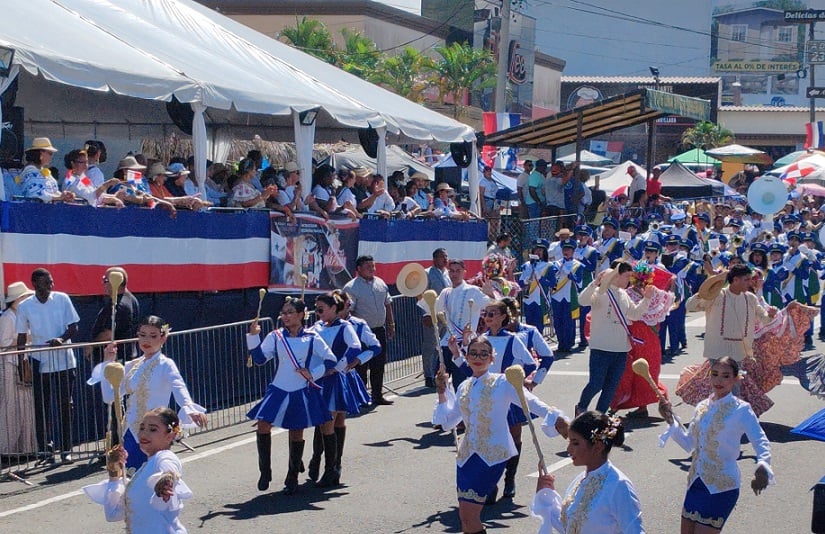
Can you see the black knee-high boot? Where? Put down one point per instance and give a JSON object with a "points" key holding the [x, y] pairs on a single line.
{"points": [[296, 464], [264, 460], [317, 451], [341, 435], [510, 474], [330, 455]]}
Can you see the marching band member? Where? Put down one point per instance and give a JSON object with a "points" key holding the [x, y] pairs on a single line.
{"points": [[293, 400], [775, 275], [802, 284], [654, 229], [754, 226], [149, 381], [713, 439], [686, 272], [151, 500], [341, 395], [634, 247], [651, 253], [720, 258], [588, 256], [483, 402], [601, 499], [701, 221], [680, 229], [533, 281], [758, 256], [565, 276], [459, 312], [609, 246], [532, 339]]}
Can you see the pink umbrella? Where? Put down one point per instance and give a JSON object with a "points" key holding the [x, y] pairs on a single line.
{"points": [[622, 190], [811, 189]]}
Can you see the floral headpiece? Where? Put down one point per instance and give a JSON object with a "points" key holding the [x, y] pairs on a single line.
{"points": [[642, 272], [165, 329], [608, 433], [493, 266]]}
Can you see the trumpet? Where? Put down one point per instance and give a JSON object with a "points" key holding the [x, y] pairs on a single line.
{"points": [[654, 226], [737, 241], [714, 252]]}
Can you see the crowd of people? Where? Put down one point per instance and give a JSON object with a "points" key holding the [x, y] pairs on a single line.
{"points": [[251, 183]]}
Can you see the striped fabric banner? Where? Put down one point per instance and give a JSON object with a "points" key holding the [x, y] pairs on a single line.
{"points": [[393, 243], [814, 135], [192, 252]]}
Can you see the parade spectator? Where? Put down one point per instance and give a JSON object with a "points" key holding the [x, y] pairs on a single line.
{"points": [[346, 196], [637, 183], [36, 178], [158, 176], [51, 319], [654, 184], [443, 205], [244, 193], [290, 195], [127, 315], [408, 205], [217, 176], [16, 403], [370, 300], [96, 153], [256, 157], [132, 189], [323, 197], [383, 201], [554, 185], [521, 187], [422, 196], [487, 189], [534, 196], [78, 182]]}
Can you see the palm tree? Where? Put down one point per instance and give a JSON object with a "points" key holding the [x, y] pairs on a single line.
{"points": [[312, 36], [406, 74], [706, 135], [462, 68], [360, 55]]}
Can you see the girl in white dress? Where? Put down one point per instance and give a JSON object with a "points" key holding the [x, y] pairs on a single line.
{"points": [[601, 499], [149, 381], [150, 502]]}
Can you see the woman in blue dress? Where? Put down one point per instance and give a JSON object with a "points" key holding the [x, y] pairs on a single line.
{"points": [[342, 395], [293, 400]]}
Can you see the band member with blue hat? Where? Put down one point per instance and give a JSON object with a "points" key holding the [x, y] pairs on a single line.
{"points": [[588, 256]]}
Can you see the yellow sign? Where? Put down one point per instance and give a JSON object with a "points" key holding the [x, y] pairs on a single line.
{"points": [[755, 66]]}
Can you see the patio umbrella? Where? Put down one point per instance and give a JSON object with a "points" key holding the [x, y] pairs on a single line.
{"points": [[739, 154], [790, 158], [622, 190], [694, 156], [814, 189]]}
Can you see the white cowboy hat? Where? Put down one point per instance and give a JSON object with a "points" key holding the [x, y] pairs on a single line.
{"points": [[17, 290]]}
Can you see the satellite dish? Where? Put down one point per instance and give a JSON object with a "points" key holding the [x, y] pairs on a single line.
{"points": [[767, 195]]}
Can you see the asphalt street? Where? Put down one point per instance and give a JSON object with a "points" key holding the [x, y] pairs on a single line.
{"points": [[399, 473]]}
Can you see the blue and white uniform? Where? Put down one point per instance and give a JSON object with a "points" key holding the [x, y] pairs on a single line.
{"points": [[290, 401], [341, 338], [534, 341], [368, 342]]}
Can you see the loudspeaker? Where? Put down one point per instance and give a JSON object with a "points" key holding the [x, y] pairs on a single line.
{"points": [[449, 175], [9, 96], [368, 138], [181, 114], [11, 144], [462, 153]]}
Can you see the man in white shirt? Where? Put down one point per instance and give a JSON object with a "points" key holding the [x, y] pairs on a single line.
{"points": [[637, 183], [437, 280], [521, 187], [51, 319]]}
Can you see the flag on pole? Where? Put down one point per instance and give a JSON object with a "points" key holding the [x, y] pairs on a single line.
{"points": [[815, 135]]}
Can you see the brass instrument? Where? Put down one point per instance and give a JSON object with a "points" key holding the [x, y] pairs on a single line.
{"points": [[737, 241], [654, 226]]}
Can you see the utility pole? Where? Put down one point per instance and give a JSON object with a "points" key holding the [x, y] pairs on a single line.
{"points": [[503, 56], [812, 82]]}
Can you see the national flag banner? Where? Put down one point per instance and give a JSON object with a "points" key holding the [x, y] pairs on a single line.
{"points": [[494, 122], [196, 251], [394, 243], [323, 251], [815, 135], [133, 177]]}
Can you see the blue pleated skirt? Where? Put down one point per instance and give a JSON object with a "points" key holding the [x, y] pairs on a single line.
{"points": [[338, 396], [515, 416], [357, 387], [291, 410]]}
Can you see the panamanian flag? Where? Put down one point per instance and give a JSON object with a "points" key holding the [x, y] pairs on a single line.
{"points": [[814, 135], [494, 122]]}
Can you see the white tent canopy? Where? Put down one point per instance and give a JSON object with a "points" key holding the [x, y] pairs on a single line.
{"points": [[617, 177], [397, 160], [164, 48]]}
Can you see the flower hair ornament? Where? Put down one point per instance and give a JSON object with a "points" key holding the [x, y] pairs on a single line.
{"points": [[642, 272], [607, 434], [492, 266], [165, 329]]}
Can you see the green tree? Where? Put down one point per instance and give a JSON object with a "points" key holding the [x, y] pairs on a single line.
{"points": [[312, 36], [706, 135], [460, 69], [360, 55], [406, 74]]}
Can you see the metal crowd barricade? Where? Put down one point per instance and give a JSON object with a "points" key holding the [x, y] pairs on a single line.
{"points": [[212, 361], [404, 351]]}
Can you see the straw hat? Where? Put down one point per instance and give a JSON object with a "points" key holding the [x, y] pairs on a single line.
{"points": [[362, 172], [42, 143], [157, 168], [443, 186], [130, 163], [421, 176], [17, 290], [711, 287], [412, 280], [564, 233], [291, 166]]}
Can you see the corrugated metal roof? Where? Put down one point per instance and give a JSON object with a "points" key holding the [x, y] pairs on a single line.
{"points": [[640, 79]]}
